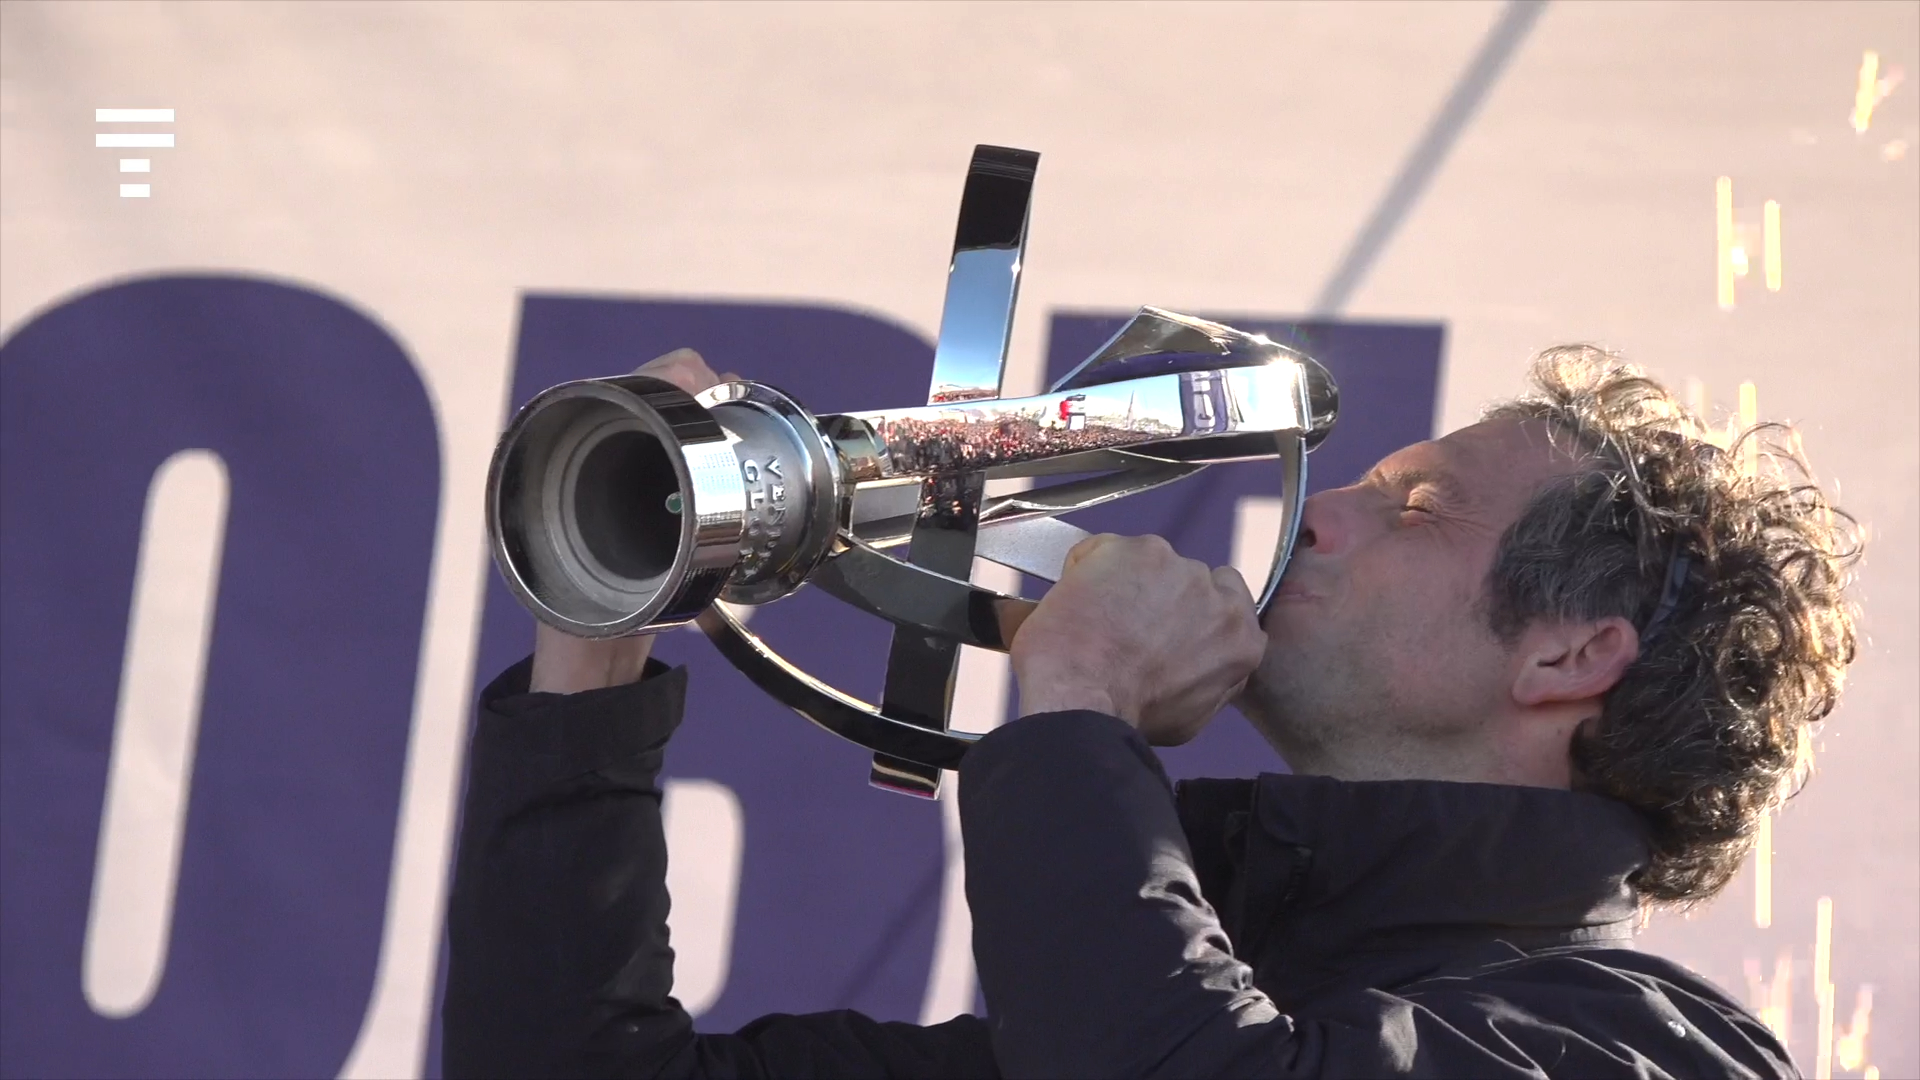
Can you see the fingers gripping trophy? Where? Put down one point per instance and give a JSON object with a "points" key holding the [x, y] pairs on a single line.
{"points": [[626, 505]]}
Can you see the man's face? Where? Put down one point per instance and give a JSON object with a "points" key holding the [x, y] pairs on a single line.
{"points": [[1378, 647]]}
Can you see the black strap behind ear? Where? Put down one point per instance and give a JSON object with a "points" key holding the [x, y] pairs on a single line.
{"points": [[1669, 595]]}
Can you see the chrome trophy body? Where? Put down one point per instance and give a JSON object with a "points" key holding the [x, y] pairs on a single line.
{"points": [[622, 505]]}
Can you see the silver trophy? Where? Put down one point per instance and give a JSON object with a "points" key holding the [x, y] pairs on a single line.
{"points": [[622, 505]]}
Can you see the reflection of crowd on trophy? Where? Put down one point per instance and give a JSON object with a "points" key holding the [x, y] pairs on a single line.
{"points": [[985, 442]]}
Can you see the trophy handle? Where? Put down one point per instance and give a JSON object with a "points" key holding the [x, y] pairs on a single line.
{"points": [[957, 610], [845, 716]]}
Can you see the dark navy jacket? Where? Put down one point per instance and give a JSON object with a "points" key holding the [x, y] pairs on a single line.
{"points": [[1283, 927]]}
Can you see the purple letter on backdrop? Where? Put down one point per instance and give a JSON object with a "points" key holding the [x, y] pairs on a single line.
{"points": [[332, 458], [330, 445]]}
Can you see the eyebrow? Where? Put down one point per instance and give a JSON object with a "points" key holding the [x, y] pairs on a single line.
{"points": [[1410, 477]]}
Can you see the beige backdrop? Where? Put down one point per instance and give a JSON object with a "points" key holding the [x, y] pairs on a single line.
{"points": [[431, 161]]}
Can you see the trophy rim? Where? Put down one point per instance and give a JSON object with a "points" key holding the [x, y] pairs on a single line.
{"points": [[684, 587]]}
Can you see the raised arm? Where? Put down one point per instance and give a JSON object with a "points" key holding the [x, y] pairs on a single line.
{"points": [[559, 961], [557, 918], [559, 958]]}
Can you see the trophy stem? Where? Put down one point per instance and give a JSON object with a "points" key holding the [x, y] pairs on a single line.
{"points": [[983, 285]]}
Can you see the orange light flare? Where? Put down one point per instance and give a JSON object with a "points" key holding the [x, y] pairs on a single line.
{"points": [[1772, 999], [1866, 91], [1870, 89], [1735, 242], [1850, 1046]]}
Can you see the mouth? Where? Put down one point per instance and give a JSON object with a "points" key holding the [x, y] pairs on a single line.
{"points": [[1292, 591]]}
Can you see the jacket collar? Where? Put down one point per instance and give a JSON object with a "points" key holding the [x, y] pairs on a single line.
{"points": [[1321, 881]]}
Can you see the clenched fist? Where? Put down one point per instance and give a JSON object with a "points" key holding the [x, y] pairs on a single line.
{"points": [[1136, 631], [564, 664]]}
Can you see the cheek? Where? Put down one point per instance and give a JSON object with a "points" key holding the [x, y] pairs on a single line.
{"points": [[1454, 654], [1425, 610]]}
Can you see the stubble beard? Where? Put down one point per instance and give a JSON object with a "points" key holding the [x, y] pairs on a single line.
{"points": [[1320, 706]]}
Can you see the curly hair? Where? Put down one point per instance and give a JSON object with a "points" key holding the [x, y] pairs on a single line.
{"points": [[1734, 566]]}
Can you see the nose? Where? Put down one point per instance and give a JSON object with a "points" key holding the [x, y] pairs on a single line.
{"points": [[1327, 522], [1310, 518]]}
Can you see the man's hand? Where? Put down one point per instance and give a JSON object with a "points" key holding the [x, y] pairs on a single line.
{"points": [[1135, 631], [564, 664]]}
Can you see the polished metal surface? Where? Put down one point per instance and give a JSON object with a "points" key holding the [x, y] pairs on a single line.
{"points": [[983, 280], [884, 521], [770, 489], [1020, 529], [796, 498], [845, 716], [619, 506], [612, 506], [1201, 415], [919, 600], [1293, 481], [1035, 546], [969, 359]]}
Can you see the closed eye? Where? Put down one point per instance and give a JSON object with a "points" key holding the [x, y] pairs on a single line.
{"points": [[1420, 491]]}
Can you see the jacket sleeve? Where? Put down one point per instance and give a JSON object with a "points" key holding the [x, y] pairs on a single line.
{"points": [[558, 961], [1100, 958]]}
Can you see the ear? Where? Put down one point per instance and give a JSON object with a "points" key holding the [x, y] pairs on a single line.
{"points": [[1573, 661]]}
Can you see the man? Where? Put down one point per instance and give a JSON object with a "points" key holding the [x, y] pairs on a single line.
{"points": [[1531, 678]]}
